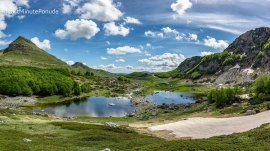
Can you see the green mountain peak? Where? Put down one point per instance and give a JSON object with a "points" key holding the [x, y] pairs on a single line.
{"points": [[23, 52]]}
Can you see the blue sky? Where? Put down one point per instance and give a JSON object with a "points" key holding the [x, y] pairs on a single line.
{"points": [[123, 36]]}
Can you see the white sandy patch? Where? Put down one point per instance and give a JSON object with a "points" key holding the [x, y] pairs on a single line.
{"points": [[208, 127], [248, 71]]}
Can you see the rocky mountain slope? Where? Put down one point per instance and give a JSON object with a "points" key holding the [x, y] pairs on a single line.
{"points": [[246, 58]]}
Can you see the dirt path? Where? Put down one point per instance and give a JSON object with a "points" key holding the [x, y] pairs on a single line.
{"points": [[207, 127]]}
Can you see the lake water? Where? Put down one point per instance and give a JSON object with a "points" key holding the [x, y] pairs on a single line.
{"points": [[94, 107], [114, 107], [166, 97]]}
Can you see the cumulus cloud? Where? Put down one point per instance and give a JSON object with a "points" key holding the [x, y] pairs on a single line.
{"points": [[168, 30], [181, 6], [111, 29], [79, 28], [217, 44], [167, 60], [206, 53], [45, 44], [132, 20], [123, 50], [69, 5], [102, 10], [120, 60]]}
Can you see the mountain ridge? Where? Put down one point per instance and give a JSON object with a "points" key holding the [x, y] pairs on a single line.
{"points": [[249, 52]]}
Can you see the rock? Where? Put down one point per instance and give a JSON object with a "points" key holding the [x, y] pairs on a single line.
{"points": [[27, 140], [154, 113], [235, 104], [204, 98], [209, 109], [250, 112], [111, 124], [106, 149]]}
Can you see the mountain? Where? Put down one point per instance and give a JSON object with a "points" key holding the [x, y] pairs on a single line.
{"points": [[80, 67], [23, 52], [246, 58]]}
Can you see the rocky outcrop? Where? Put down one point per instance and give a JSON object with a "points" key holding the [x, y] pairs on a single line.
{"points": [[248, 53]]}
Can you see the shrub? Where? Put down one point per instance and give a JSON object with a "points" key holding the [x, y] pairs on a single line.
{"points": [[195, 75], [223, 96]]}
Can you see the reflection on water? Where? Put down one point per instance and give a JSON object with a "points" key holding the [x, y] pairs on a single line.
{"points": [[166, 97], [94, 107]]}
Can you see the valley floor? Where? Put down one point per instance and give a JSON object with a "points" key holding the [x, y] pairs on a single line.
{"points": [[208, 127]]}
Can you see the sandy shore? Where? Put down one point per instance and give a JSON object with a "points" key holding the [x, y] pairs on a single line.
{"points": [[208, 127]]}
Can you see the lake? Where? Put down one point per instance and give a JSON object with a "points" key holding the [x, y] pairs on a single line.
{"points": [[167, 97], [114, 107], [94, 107]]}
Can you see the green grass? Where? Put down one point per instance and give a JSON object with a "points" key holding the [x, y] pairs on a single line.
{"points": [[174, 86], [74, 136]]}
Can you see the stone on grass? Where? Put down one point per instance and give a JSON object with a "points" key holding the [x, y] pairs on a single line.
{"points": [[111, 124]]}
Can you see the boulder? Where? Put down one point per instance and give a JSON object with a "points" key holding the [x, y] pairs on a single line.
{"points": [[250, 112], [111, 124]]}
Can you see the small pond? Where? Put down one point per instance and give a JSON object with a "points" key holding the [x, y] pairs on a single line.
{"points": [[94, 107], [167, 97]]}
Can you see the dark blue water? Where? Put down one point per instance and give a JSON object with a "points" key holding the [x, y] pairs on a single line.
{"points": [[166, 97], [94, 107]]}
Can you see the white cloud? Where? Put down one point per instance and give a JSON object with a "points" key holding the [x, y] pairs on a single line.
{"points": [[70, 62], [167, 32], [153, 34], [111, 29], [79, 28], [123, 50], [120, 60], [103, 58], [148, 45], [206, 53], [131, 20], [4, 42], [70, 5], [102, 10], [22, 3], [217, 44], [168, 60], [6, 9], [193, 37], [21, 17], [180, 6], [45, 44], [108, 42]]}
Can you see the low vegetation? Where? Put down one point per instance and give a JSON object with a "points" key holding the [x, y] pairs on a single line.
{"points": [[261, 90], [223, 96]]}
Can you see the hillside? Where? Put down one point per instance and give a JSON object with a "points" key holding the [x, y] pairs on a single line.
{"points": [[80, 67], [23, 52], [246, 58]]}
